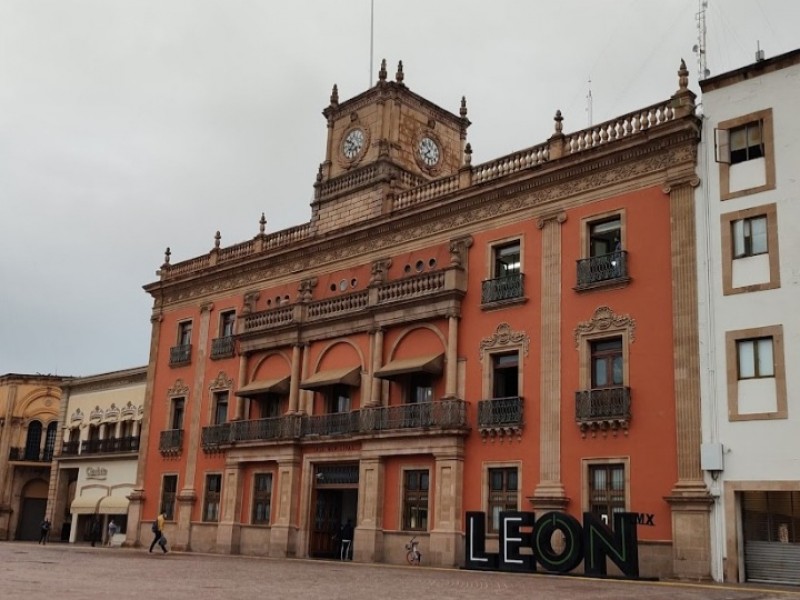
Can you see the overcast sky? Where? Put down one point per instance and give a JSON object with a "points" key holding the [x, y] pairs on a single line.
{"points": [[127, 126]]}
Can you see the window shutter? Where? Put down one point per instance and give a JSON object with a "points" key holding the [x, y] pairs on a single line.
{"points": [[722, 146]]}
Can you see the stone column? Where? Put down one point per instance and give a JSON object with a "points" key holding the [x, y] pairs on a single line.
{"points": [[549, 493], [283, 533], [376, 397], [689, 498], [294, 383], [137, 497], [229, 528], [5, 448], [451, 373], [368, 536], [242, 382], [446, 539]]}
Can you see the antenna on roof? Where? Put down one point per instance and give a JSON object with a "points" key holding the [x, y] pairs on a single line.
{"points": [[589, 102], [700, 47], [759, 51]]}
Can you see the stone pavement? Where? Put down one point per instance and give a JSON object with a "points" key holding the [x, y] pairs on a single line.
{"points": [[66, 572]]}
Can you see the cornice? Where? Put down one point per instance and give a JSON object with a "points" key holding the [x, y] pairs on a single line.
{"points": [[550, 185]]}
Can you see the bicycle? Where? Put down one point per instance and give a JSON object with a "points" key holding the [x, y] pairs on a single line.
{"points": [[413, 556]]}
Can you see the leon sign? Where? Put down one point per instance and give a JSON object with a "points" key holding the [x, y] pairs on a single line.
{"points": [[591, 542]]}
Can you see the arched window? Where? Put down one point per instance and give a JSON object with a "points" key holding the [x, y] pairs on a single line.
{"points": [[34, 442], [50, 441]]}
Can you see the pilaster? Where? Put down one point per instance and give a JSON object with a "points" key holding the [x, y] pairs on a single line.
{"points": [[368, 536], [446, 539], [283, 535], [229, 528]]}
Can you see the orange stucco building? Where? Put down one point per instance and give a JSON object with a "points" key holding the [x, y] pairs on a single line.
{"points": [[440, 337]]}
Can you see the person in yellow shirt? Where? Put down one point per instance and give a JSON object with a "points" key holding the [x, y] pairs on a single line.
{"points": [[158, 532]]}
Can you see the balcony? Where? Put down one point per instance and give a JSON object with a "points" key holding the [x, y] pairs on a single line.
{"points": [[500, 417], [223, 347], [442, 414], [503, 289], [30, 454], [607, 409], [109, 445], [180, 355], [603, 270], [171, 442], [70, 448]]}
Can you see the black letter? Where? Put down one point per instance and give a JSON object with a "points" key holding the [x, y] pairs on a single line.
{"points": [[619, 545], [572, 554], [511, 539], [475, 556]]}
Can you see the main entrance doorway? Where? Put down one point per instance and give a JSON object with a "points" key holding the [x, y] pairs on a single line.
{"points": [[335, 501]]}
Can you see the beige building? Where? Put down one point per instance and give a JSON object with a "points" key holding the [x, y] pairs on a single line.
{"points": [[28, 426], [96, 457]]}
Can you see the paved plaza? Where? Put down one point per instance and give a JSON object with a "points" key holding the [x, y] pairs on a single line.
{"points": [[60, 571]]}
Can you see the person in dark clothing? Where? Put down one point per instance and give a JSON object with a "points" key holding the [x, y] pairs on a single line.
{"points": [[94, 533], [346, 541], [44, 531]]}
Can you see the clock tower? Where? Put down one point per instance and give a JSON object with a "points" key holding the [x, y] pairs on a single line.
{"points": [[385, 140]]}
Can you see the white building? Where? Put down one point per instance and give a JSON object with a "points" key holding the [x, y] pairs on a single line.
{"points": [[97, 454], [748, 211]]}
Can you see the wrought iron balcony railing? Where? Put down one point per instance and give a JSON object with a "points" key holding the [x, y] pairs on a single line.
{"points": [[443, 414], [223, 347], [70, 448], [126, 444], [171, 441], [180, 355], [30, 454], [603, 409], [604, 268], [500, 416], [508, 287]]}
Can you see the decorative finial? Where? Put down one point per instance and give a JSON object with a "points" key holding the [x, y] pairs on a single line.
{"points": [[262, 224], [319, 173], [558, 119], [167, 254], [399, 75], [463, 110], [468, 154], [335, 95], [382, 73], [217, 238], [683, 77]]}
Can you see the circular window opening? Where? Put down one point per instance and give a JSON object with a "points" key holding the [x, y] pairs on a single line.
{"points": [[343, 285], [269, 302], [353, 282], [432, 263], [333, 287], [420, 265], [407, 269]]}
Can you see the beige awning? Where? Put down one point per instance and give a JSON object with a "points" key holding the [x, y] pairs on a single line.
{"points": [[421, 364], [350, 376], [113, 505], [265, 386], [85, 505]]}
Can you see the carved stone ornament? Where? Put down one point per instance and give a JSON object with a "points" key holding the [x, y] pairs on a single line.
{"points": [[96, 414], [458, 250], [380, 271], [221, 382], [604, 319], [305, 291], [504, 336], [250, 299], [77, 415], [179, 389]]}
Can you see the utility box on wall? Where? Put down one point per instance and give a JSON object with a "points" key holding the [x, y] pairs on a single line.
{"points": [[711, 457]]}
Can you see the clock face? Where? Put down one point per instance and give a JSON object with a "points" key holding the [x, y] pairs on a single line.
{"points": [[428, 151], [353, 143]]}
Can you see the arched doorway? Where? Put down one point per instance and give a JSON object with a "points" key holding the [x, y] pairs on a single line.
{"points": [[33, 504]]}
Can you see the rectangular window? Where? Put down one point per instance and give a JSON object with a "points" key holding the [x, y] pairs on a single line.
{"points": [[505, 375], [607, 490], [220, 407], [415, 500], [605, 237], [419, 388], [226, 323], [749, 236], [746, 142], [185, 333], [265, 406], [507, 260], [755, 358], [262, 497], [503, 488], [339, 399], [211, 498], [607, 363], [169, 489], [178, 405]]}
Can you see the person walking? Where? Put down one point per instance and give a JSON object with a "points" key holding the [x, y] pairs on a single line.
{"points": [[95, 531], [113, 529], [346, 549], [158, 532], [44, 531]]}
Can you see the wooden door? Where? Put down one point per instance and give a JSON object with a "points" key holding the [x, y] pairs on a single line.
{"points": [[327, 520]]}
